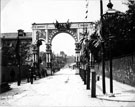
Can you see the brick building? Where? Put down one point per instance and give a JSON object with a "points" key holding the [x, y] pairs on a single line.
{"points": [[8, 54]]}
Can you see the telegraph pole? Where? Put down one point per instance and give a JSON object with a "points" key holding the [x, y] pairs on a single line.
{"points": [[103, 50]]}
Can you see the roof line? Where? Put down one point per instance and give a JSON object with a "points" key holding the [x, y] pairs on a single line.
{"points": [[60, 22]]}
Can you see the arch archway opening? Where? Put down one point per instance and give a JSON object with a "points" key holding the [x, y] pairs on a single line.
{"points": [[42, 48], [63, 42]]}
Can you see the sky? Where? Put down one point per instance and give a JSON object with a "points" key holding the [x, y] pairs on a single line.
{"points": [[20, 14], [69, 44]]}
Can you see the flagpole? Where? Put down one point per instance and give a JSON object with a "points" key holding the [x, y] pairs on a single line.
{"points": [[103, 53]]}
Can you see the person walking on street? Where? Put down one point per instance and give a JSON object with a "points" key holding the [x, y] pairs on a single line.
{"points": [[31, 74], [12, 75]]}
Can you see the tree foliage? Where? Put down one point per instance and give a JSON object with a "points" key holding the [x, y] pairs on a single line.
{"points": [[9, 53], [120, 26], [118, 35]]}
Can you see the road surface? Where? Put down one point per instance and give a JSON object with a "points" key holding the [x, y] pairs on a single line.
{"points": [[62, 89]]}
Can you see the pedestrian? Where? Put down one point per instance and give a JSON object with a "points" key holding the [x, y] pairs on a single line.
{"points": [[28, 74], [12, 75], [31, 74]]}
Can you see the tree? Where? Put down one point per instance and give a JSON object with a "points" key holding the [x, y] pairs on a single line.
{"points": [[117, 33], [122, 27], [131, 18], [24, 51], [9, 52]]}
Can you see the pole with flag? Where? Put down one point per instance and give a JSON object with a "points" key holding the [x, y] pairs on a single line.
{"points": [[86, 33], [103, 49]]}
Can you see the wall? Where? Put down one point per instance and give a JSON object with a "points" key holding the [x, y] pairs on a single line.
{"points": [[123, 69], [6, 70]]}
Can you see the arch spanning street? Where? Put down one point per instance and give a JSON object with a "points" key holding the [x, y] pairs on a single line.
{"points": [[47, 31]]}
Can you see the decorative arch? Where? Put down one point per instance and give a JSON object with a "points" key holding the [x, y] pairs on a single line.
{"points": [[47, 31]]}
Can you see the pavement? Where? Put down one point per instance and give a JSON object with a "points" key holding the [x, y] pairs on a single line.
{"points": [[65, 88]]}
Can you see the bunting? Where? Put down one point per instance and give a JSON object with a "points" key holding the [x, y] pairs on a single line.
{"points": [[87, 4], [86, 12]]}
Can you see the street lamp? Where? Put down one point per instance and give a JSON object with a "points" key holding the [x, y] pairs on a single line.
{"points": [[88, 65], [109, 13], [20, 33]]}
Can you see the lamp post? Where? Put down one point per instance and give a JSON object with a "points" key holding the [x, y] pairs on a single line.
{"points": [[20, 33], [110, 58], [93, 85], [109, 13], [88, 66]]}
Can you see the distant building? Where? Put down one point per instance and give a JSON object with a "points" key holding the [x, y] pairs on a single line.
{"points": [[62, 53], [13, 36], [9, 61]]}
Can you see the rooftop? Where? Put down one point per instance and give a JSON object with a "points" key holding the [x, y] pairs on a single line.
{"points": [[14, 35]]}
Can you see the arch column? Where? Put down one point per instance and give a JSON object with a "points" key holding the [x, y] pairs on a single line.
{"points": [[77, 51], [48, 59]]}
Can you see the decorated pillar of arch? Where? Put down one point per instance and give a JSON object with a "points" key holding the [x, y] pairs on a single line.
{"points": [[77, 51], [48, 58]]}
